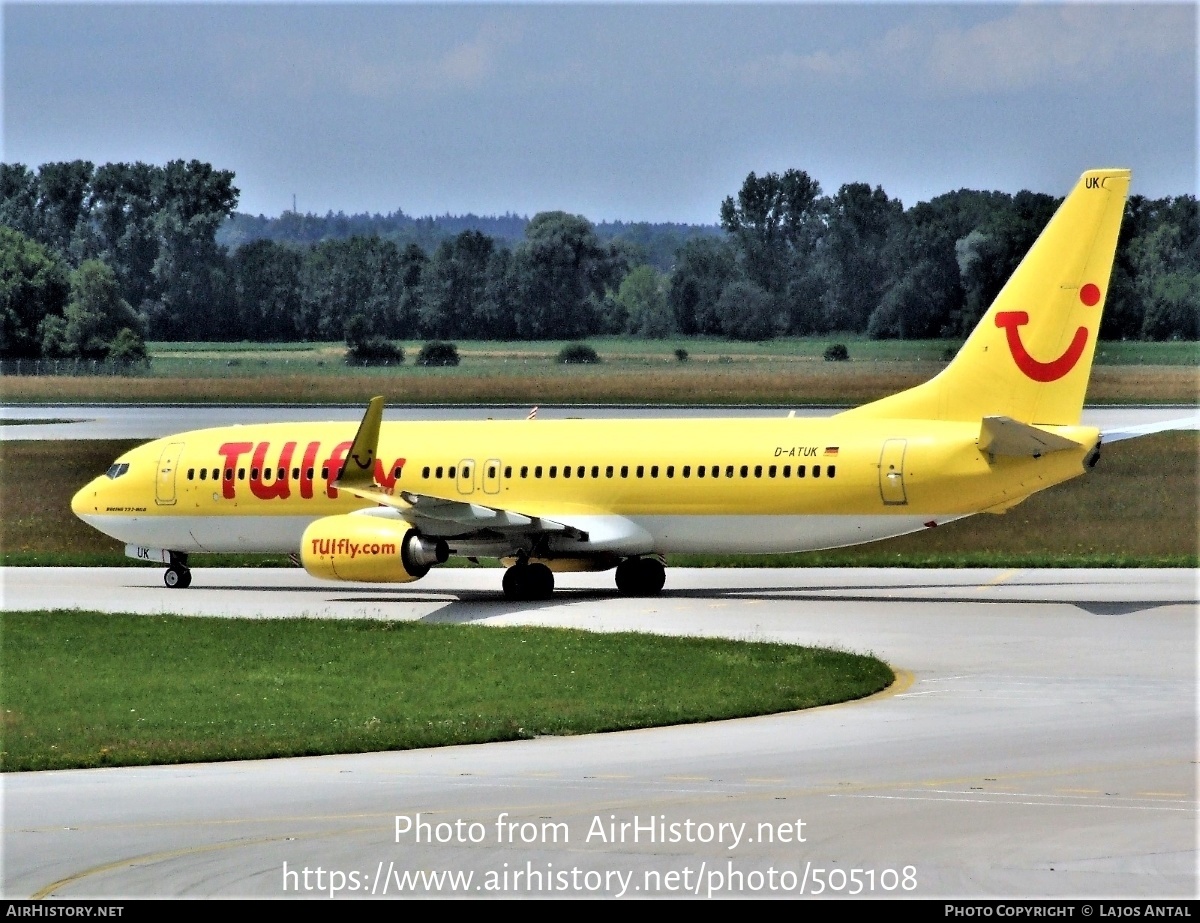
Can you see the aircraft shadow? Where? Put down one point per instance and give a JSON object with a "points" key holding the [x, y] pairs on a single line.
{"points": [[475, 605]]}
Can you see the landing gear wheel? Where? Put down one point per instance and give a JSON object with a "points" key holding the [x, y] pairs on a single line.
{"points": [[641, 577], [528, 582], [178, 577], [512, 582], [539, 582]]}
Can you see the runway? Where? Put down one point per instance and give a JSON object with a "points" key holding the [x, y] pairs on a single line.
{"points": [[1041, 742], [150, 421]]}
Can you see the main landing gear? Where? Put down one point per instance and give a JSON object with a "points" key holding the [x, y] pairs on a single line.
{"points": [[525, 581], [641, 577], [178, 575]]}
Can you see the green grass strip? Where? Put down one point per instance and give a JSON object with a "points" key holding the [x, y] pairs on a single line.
{"points": [[84, 689]]}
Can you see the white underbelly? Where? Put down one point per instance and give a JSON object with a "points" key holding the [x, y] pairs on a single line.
{"points": [[731, 534], [766, 534]]}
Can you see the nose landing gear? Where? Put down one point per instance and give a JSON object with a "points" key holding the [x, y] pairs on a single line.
{"points": [[178, 575]]}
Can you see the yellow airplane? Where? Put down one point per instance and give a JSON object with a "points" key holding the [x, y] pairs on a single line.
{"points": [[388, 501]]}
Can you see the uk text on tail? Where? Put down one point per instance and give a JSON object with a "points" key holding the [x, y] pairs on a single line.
{"points": [[1031, 355]]}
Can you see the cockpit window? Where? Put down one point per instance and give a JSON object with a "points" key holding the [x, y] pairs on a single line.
{"points": [[116, 470]]}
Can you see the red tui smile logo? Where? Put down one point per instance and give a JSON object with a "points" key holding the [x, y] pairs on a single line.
{"points": [[1012, 321]]}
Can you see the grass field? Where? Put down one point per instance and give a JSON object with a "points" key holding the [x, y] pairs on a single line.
{"points": [[88, 689], [636, 371], [1137, 508]]}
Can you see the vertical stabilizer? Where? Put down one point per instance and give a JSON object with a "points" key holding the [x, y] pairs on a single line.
{"points": [[1031, 355]]}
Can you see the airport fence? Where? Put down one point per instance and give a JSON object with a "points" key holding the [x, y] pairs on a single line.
{"points": [[73, 368]]}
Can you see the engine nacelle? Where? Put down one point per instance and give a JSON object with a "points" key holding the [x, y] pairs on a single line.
{"points": [[368, 549]]}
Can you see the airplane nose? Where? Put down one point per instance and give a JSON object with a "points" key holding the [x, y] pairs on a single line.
{"points": [[86, 500]]}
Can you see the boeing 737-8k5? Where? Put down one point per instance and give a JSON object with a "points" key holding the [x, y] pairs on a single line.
{"points": [[390, 500]]}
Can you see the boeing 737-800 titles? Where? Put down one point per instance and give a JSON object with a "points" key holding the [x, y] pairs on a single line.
{"points": [[390, 500]]}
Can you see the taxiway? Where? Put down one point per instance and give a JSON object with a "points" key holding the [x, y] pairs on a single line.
{"points": [[1041, 742]]}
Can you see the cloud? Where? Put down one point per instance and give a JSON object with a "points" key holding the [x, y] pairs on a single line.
{"points": [[1018, 48], [303, 66], [1051, 44]]}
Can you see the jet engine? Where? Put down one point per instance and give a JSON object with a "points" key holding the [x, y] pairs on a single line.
{"points": [[368, 549]]}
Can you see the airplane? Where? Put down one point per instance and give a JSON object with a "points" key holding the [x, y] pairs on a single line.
{"points": [[387, 501]]}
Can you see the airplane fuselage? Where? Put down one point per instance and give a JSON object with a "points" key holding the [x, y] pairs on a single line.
{"points": [[634, 487]]}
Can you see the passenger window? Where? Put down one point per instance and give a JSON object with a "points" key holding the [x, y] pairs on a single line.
{"points": [[554, 471], [229, 474], [687, 471], [397, 473], [241, 474], [524, 471], [191, 474], [491, 471], [800, 469], [580, 471], [537, 472], [640, 470], [508, 471], [450, 472], [787, 471], [566, 471], [254, 474], [831, 470], [325, 473], [438, 471], [729, 471], [204, 474], [716, 472], [624, 471], [296, 474], [654, 471], [466, 472], [758, 471], [670, 471], [424, 472], [699, 471], [283, 474], [745, 471], [309, 473], [608, 472], [595, 471], [771, 472], [816, 471]]}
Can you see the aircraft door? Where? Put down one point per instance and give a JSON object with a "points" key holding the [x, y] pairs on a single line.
{"points": [[891, 472], [164, 482], [491, 476], [466, 476]]}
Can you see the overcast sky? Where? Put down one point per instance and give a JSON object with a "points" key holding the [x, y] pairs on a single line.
{"points": [[632, 112]]}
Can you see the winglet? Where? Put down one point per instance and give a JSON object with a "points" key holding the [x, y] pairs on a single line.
{"points": [[359, 469]]}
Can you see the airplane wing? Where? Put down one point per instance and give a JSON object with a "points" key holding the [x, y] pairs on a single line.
{"points": [[437, 515], [1117, 434]]}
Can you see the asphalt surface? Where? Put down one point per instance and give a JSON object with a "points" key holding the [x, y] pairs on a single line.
{"points": [[1040, 742], [83, 421]]}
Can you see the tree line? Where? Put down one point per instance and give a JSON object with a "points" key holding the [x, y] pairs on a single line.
{"points": [[94, 259]]}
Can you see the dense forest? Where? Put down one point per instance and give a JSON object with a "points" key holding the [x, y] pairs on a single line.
{"points": [[95, 259]]}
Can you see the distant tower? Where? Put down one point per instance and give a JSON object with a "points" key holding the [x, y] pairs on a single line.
{"points": [[293, 203]]}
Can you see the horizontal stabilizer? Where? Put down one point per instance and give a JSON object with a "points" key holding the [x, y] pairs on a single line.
{"points": [[1005, 436], [1116, 434]]}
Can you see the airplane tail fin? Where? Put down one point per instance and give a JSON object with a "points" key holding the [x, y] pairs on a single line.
{"points": [[1030, 357]]}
